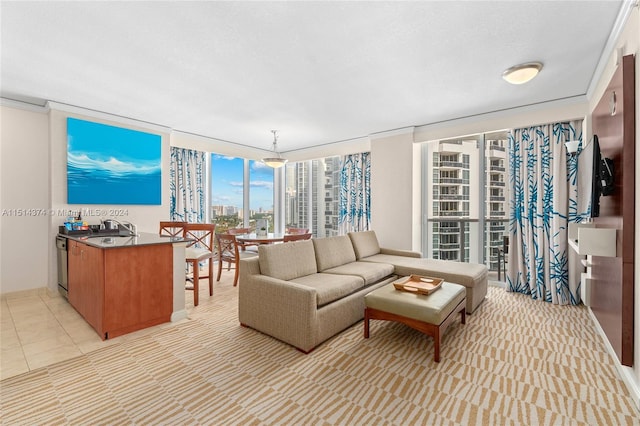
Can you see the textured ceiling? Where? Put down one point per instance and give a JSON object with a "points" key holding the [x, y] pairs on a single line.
{"points": [[319, 72]]}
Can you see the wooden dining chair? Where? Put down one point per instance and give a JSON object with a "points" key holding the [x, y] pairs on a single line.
{"points": [[228, 252], [238, 231], [243, 246], [296, 237], [296, 230], [200, 249], [172, 229]]}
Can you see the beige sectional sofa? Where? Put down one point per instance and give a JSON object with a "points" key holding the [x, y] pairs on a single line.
{"points": [[305, 292]]}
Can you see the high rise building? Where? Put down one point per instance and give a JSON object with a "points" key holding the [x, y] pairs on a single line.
{"points": [[312, 191], [457, 204], [496, 197]]}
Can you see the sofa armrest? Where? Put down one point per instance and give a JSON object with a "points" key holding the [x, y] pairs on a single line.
{"points": [[249, 266], [282, 309], [396, 252]]}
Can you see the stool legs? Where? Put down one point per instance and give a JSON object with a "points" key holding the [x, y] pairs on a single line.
{"points": [[196, 282]]}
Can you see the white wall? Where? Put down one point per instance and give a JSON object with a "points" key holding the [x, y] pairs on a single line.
{"points": [[34, 176], [24, 176], [395, 189], [201, 143]]}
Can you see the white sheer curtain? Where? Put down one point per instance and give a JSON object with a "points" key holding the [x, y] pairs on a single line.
{"points": [[543, 201], [187, 185]]}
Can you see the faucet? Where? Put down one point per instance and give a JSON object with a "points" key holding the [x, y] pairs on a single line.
{"points": [[133, 229], [130, 227]]}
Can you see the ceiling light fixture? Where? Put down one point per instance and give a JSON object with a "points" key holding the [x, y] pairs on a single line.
{"points": [[522, 73], [277, 161]]}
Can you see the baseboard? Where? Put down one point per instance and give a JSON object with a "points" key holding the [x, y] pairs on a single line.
{"points": [[179, 315], [627, 374], [20, 294], [500, 284]]}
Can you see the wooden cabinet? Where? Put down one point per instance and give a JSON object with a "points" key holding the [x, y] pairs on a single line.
{"points": [[614, 278], [120, 290], [86, 282]]}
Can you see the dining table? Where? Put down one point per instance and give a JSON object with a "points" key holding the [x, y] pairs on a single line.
{"points": [[254, 238]]}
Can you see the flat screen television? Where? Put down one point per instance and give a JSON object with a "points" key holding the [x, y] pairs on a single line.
{"points": [[602, 183], [595, 178]]}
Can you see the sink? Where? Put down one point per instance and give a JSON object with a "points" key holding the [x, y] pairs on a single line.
{"points": [[111, 233]]}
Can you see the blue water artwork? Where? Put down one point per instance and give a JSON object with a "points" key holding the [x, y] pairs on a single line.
{"points": [[112, 165]]}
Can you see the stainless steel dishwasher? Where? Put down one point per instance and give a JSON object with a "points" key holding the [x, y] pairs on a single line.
{"points": [[63, 278]]}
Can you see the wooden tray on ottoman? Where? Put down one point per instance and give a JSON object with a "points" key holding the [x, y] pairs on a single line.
{"points": [[418, 284]]}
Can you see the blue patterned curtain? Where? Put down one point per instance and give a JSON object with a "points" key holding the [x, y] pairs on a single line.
{"points": [[355, 193], [187, 185], [543, 199]]}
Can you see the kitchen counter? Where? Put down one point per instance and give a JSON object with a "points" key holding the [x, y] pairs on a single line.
{"points": [[123, 284], [115, 241]]}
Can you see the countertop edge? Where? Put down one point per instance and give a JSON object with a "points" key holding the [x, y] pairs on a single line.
{"points": [[115, 242]]}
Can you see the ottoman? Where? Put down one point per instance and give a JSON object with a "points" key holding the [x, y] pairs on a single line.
{"points": [[430, 314]]}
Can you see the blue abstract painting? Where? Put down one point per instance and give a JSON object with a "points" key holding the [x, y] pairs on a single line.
{"points": [[112, 165]]}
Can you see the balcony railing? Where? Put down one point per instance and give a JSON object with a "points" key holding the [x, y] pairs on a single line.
{"points": [[449, 246], [448, 231], [492, 237], [497, 169], [496, 183], [451, 197], [497, 148], [496, 198], [455, 164], [453, 180]]}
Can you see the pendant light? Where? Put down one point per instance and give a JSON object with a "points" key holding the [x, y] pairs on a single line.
{"points": [[276, 161]]}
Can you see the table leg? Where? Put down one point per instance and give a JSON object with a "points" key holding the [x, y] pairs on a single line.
{"points": [[366, 323]]}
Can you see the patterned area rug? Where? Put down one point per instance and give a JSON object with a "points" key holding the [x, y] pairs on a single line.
{"points": [[516, 361]]}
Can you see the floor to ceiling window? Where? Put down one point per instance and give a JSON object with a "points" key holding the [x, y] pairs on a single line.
{"points": [[312, 192], [260, 193], [465, 194], [227, 189]]}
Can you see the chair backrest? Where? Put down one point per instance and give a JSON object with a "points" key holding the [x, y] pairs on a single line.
{"points": [[296, 230], [202, 234], [172, 229], [238, 231], [227, 247], [296, 237]]}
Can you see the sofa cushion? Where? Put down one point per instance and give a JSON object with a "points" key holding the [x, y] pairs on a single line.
{"points": [[287, 261], [432, 309], [331, 287], [365, 243], [370, 272], [333, 251], [467, 274]]}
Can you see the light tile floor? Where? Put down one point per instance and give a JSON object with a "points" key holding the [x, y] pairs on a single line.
{"points": [[40, 329]]}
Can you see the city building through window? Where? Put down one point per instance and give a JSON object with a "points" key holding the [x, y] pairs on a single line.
{"points": [[466, 199]]}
